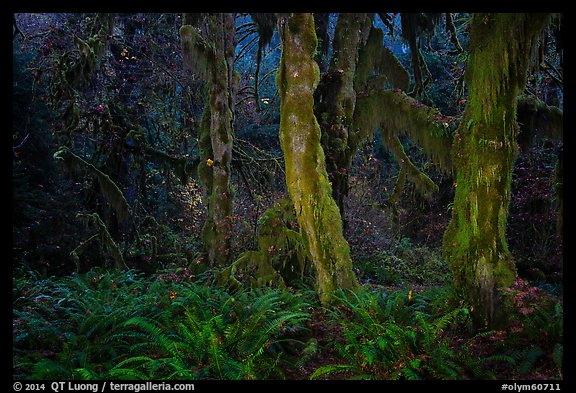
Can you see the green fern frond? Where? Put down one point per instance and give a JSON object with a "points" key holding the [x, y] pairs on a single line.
{"points": [[127, 374], [332, 369], [49, 369], [120, 371], [86, 374], [410, 374], [450, 318]]}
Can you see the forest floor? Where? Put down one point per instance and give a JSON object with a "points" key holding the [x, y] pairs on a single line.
{"points": [[98, 324], [326, 332]]}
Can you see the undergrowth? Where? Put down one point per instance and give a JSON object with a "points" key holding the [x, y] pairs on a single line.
{"points": [[126, 325], [402, 334], [398, 335], [112, 325]]}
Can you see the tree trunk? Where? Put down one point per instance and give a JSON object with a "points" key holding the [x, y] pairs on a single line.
{"points": [[336, 100], [306, 177], [211, 56], [484, 153]]}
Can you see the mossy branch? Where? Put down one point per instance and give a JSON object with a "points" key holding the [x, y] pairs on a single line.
{"points": [[281, 255], [183, 168], [394, 197], [375, 57], [76, 252], [266, 23], [414, 26], [424, 185], [451, 28], [534, 116], [395, 111], [108, 187], [105, 240]]}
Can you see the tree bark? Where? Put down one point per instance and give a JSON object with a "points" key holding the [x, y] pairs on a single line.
{"points": [[306, 177], [484, 153], [211, 56]]}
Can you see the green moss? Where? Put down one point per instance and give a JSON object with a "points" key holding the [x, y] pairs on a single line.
{"points": [[103, 237], [72, 116], [281, 257], [108, 187], [399, 114], [198, 54], [374, 57], [318, 216], [336, 100], [535, 117], [211, 58], [484, 153], [423, 183]]}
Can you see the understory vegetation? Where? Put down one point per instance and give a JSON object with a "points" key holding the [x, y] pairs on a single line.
{"points": [[175, 325]]}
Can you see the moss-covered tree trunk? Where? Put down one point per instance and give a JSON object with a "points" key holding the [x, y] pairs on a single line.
{"points": [[484, 153], [336, 100], [306, 177], [210, 52]]}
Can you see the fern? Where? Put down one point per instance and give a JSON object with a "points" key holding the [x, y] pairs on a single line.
{"points": [[88, 311], [215, 335], [396, 331], [49, 369], [410, 373], [333, 369]]}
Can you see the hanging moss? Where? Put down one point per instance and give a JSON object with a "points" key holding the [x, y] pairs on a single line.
{"points": [[424, 185], [536, 118], [485, 150], [415, 27], [265, 23], [399, 114], [375, 58], [198, 54], [76, 69], [306, 177], [335, 100], [91, 50], [76, 252], [101, 34], [322, 24], [451, 29], [183, 168], [71, 117], [399, 185], [108, 187]]}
